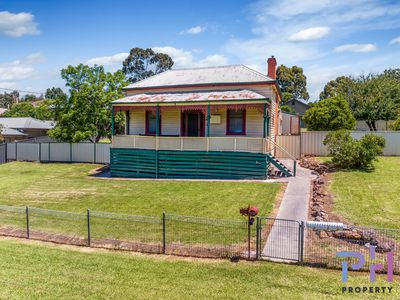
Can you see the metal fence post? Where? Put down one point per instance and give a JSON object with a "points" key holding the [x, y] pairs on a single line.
{"points": [[258, 238], [40, 151], [301, 242], [88, 227], [16, 151], [94, 153], [70, 152], [27, 222], [164, 242]]}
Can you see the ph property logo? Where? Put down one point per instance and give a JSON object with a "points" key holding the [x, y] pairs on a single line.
{"points": [[373, 268]]}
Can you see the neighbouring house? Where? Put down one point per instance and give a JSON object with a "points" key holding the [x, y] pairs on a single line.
{"points": [[214, 122], [289, 123], [3, 110], [15, 129], [300, 107]]}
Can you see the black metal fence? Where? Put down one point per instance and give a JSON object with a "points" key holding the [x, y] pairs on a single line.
{"points": [[168, 233], [267, 238]]}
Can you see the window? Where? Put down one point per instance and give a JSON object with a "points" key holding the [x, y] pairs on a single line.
{"points": [[236, 122], [151, 122]]}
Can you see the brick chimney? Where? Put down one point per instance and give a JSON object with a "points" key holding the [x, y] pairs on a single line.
{"points": [[271, 67]]}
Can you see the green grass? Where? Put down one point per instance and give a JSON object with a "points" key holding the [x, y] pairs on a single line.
{"points": [[68, 187], [49, 272], [369, 198]]}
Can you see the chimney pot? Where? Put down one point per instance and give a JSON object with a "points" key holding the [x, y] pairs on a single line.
{"points": [[271, 67]]}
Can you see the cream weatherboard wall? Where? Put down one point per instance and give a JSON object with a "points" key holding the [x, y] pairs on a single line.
{"points": [[171, 123]]}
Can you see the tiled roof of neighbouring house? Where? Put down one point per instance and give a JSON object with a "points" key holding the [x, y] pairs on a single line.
{"points": [[26, 123], [234, 74], [191, 96]]}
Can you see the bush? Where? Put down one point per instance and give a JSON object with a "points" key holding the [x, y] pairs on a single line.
{"points": [[330, 114], [349, 153]]}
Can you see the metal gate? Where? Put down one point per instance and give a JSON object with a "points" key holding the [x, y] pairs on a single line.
{"points": [[3, 153], [281, 239]]}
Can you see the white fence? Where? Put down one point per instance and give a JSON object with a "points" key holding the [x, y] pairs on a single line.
{"points": [[59, 152], [311, 142]]}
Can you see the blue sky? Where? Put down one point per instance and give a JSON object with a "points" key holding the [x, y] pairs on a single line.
{"points": [[327, 38]]}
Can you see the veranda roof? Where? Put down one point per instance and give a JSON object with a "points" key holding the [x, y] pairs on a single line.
{"points": [[199, 96]]}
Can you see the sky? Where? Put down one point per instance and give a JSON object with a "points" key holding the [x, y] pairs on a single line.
{"points": [[327, 38]]}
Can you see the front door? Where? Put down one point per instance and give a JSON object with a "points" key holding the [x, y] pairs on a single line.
{"points": [[193, 124]]}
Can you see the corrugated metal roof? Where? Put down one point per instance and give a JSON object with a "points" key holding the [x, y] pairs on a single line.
{"points": [[26, 123], [191, 96], [198, 76], [11, 132]]}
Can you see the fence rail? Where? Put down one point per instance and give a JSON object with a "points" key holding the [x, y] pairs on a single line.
{"points": [[59, 152]]}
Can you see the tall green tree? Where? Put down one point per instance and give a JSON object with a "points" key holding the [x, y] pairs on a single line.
{"points": [[330, 114], [143, 63], [293, 82], [340, 87], [54, 93], [86, 113]]}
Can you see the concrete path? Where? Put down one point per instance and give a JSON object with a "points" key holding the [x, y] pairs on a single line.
{"points": [[283, 240]]}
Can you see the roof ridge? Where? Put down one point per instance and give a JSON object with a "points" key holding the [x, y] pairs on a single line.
{"points": [[257, 72]]}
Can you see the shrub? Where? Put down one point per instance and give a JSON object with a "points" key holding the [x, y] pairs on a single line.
{"points": [[330, 114], [350, 153]]}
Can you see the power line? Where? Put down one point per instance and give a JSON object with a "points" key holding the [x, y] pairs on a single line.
{"points": [[21, 91]]}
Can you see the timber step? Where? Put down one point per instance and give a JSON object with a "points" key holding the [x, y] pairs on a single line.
{"points": [[282, 169]]}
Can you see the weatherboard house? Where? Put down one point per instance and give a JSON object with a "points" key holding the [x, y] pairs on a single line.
{"points": [[213, 122]]}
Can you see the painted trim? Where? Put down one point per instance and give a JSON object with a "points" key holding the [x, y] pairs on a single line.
{"points": [[243, 132], [147, 124], [183, 103]]}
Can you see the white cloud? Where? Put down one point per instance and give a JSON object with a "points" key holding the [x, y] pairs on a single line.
{"points": [[108, 60], [194, 30], [19, 69], [17, 25], [395, 41], [184, 59], [360, 48], [309, 34]]}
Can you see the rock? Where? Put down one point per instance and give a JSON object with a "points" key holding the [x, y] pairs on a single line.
{"points": [[347, 235], [384, 247]]}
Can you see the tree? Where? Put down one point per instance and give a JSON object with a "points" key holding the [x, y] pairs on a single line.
{"points": [[8, 99], [54, 93], [340, 87], [288, 109], [29, 98], [143, 63], [22, 110], [293, 83], [371, 97], [86, 114], [42, 111], [375, 97], [329, 114]]}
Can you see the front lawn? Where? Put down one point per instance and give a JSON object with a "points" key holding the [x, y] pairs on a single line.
{"points": [[32, 271], [369, 198], [68, 187]]}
